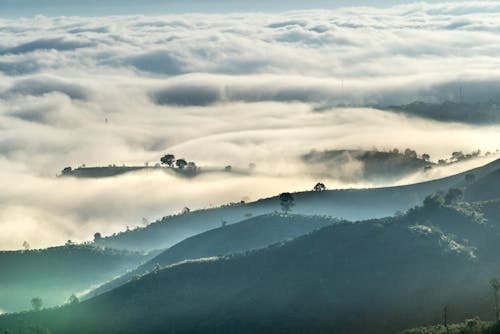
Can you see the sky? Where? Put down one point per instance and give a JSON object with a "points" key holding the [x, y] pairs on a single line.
{"points": [[220, 88], [27, 8]]}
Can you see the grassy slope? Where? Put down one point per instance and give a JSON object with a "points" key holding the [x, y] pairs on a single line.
{"points": [[55, 273], [254, 233], [350, 204], [378, 276]]}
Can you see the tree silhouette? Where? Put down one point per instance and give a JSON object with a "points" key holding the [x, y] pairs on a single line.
{"points": [[495, 285], [181, 163], [286, 201], [97, 236], [319, 187], [26, 245], [168, 160], [73, 299], [37, 303], [191, 167], [426, 157], [67, 170], [453, 195]]}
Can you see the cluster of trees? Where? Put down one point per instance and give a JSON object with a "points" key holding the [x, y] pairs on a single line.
{"points": [[170, 161], [452, 196]]}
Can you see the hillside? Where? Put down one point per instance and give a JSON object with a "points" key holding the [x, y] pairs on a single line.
{"points": [[378, 276], [110, 171], [374, 166], [54, 274], [470, 326], [254, 233], [475, 113], [349, 204]]}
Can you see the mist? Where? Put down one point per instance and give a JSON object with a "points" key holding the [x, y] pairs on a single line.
{"points": [[224, 90]]}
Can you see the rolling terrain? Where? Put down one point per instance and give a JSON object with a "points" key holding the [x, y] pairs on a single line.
{"points": [[54, 274], [375, 276], [250, 234], [349, 204]]}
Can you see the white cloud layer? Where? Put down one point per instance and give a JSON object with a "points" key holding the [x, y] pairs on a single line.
{"points": [[221, 89]]}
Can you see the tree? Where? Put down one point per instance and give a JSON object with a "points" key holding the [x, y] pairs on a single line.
{"points": [[495, 285], [409, 153], [286, 201], [426, 157], [67, 170], [191, 167], [228, 168], [181, 163], [168, 159], [97, 237], [319, 187], [453, 196], [73, 299], [37, 303], [26, 245], [433, 201], [457, 156], [185, 211]]}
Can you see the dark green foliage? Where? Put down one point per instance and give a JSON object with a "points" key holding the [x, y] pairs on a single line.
{"points": [[181, 163], [433, 201], [168, 160], [379, 276], [255, 233], [453, 196], [36, 303], [286, 202], [470, 326]]}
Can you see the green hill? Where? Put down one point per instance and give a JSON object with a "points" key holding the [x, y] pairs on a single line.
{"points": [[254, 233], [54, 274], [377, 276]]}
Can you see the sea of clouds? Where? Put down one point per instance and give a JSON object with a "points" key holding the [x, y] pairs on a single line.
{"points": [[222, 89]]}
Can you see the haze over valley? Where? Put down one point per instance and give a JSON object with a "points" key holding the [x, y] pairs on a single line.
{"points": [[158, 157]]}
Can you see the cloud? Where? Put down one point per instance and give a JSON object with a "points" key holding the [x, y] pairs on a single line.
{"points": [[157, 61], [223, 90], [59, 44]]}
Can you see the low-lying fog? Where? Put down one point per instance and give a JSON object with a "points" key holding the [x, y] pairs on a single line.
{"points": [[232, 90]]}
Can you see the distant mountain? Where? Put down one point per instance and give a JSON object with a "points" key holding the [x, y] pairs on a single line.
{"points": [[254, 233], [54, 274], [377, 276], [475, 113], [349, 204]]}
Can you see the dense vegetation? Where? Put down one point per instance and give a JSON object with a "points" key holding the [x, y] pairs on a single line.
{"points": [[250, 234], [378, 276], [470, 326]]}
